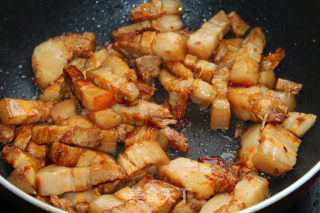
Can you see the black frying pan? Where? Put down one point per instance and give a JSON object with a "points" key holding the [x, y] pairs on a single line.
{"points": [[294, 25]]}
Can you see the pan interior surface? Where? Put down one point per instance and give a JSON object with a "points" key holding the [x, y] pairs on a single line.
{"points": [[23, 25]]}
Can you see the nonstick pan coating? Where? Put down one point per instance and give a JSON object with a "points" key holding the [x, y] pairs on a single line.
{"points": [[291, 25]]}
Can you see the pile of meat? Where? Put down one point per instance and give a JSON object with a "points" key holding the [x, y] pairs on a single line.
{"points": [[62, 147]]}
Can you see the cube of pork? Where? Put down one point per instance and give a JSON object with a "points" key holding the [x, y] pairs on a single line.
{"points": [[6, 133], [141, 155], [220, 114], [156, 8], [145, 113], [64, 155], [170, 46], [55, 180], [106, 118], [52, 92], [238, 26], [299, 123], [123, 89], [148, 67], [63, 110], [285, 85], [26, 165], [226, 52], [245, 71], [278, 151], [203, 42], [216, 202], [251, 190], [267, 66], [20, 112], [23, 137], [49, 57], [200, 178]]}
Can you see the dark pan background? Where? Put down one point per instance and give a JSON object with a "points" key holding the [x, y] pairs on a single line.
{"points": [[293, 25]]}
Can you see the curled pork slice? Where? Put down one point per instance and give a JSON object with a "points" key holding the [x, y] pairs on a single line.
{"points": [[20, 112], [200, 178], [204, 41], [145, 113], [156, 8], [49, 58], [245, 70], [56, 180]]}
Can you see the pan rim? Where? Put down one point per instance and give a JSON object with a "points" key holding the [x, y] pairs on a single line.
{"points": [[273, 199]]}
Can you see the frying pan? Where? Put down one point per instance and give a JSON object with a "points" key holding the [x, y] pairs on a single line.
{"points": [[291, 25]]}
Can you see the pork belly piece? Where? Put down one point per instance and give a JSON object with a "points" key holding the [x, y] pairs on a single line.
{"points": [[78, 199], [238, 26], [166, 23], [26, 165], [202, 93], [220, 114], [61, 203], [106, 118], [21, 182], [141, 155], [77, 120], [123, 90], [170, 46], [249, 144], [226, 52], [179, 90], [6, 133], [148, 67], [120, 67], [178, 69], [56, 180], [285, 85], [277, 152], [299, 123], [91, 96], [156, 8], [23, 136], [257, 104], [63, 110], [145, 113], [204, 41], [251, 190], [220, 81], [216, 202], [157, 195], [176, 139], [64, 155], [202, 179], [49, 57], [52, 92], [103, 140], [245, 70], [37, 151], [104, 202], [267, 67], [202, 69], [20, 112], [146, 90], [183, 207], [146, 133]]}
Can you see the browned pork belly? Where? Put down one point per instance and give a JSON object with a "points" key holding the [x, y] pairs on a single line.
{"points": [[49, 57]]}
